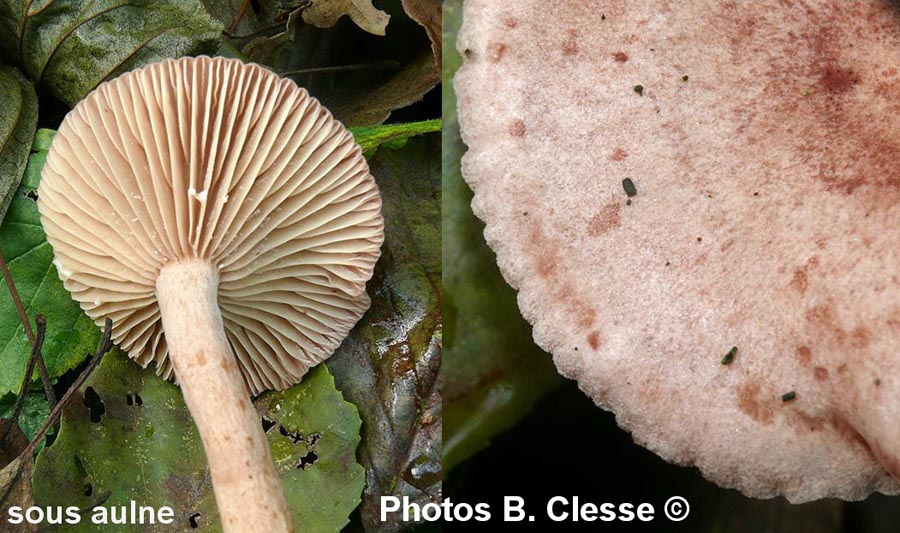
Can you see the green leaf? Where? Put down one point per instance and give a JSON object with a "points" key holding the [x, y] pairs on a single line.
{"points": [[71, 46], [493, 373], [145, 448], [389, 366], [70, 333], [392, 135], [38, 157], [396, 349], [34, 411], [314, 444], [18, 118]]}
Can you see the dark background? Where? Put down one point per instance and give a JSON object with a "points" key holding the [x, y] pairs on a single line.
{"points": [[569, 447]]}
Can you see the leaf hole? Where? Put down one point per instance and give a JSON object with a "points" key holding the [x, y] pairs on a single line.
{"points": [[267, 424], [257, 8], [88, 489], [294, 436], [134, 399], [32, 194], [93, 402], [308, 460], [192, 520]]}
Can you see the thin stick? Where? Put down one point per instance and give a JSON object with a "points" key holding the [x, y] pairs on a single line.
{"points": [[105, 346], [41, 324], [387, 64], [23, 316], [15, 298], [237, 18]]}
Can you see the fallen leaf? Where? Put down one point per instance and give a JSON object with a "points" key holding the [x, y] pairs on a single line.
{"points": [[116, 442], [389, 366], [70, 334], [360, 77], [15, 474], [69, 46], [18, 119], [428, 14], [325, 13], [405, 88]]}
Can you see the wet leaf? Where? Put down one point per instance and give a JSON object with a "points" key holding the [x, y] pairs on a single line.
{"points": [[70, 46], [18, 118], [494, 372], [325, 13], [127, 454], [389, 366], [70, 334]]}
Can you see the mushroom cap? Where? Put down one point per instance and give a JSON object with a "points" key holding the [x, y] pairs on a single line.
{"points": [[762, 141], [215, 159]]}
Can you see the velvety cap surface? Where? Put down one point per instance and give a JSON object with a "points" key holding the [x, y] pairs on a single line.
{"points": [[762, 145]]}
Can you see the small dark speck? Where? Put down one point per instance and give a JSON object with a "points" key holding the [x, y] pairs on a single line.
{"points": [[684, 78], [576, 348], [602, 17], [668, 263], [525, 214], [788, 396], [877, 382], [699, 239], [729, 357], [639, 89], [653, 49], [756, 194], [628, 201], [629, 187]]}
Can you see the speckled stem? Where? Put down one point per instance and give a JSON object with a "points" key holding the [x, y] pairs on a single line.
{"points": [[247, 486]]}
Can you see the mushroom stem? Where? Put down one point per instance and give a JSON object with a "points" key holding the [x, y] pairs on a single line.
{"points": [[247, 487]]}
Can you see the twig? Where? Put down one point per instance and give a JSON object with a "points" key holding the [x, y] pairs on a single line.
{"points": [[386, 65], [281, 20], [23, 316], [237, 17], [105, 346], [41, 324], [253, 34]]}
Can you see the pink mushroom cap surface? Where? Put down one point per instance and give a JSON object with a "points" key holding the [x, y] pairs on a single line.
{"points": [[760, 142]]}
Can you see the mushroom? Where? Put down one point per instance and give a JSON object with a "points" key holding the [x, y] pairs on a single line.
{"points": [[761, 144], [227, 223]]}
